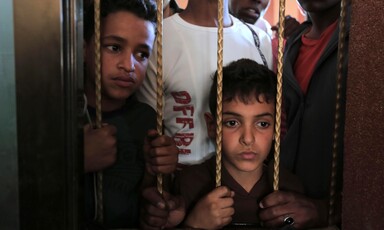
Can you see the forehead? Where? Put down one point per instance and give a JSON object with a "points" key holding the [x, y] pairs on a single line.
{"points": [[127, 25], [249, 105]]}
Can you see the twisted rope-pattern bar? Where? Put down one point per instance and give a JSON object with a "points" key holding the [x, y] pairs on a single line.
{"points": [[99, 181], [339, 80], [219, 92], [159, 78], [276, 170]]}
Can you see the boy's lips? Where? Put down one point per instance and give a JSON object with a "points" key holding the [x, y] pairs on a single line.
{"points": [[125, 81], [248, 155]]}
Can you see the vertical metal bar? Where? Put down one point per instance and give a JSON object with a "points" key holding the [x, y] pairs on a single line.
{"points": [[220, 47], [9, 191], [159, 81], [49, 139], [72, 72]]}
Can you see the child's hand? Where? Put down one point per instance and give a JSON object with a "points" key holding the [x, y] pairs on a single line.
{"points": [[159, 212], [99, 147], [161, 153], [214, 211]]}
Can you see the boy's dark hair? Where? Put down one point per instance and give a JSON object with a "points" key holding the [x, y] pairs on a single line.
{"points": [[244, 79], [145, 9]]}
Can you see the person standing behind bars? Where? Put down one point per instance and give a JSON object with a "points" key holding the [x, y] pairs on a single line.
{"points": [[309, 94], [189, 58], [126, 143]]}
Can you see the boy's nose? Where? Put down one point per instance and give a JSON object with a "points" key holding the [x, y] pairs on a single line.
{"points": [[127, 63], [247, 138]]}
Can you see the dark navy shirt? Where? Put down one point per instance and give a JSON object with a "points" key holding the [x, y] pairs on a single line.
{"points": [[121, 181]]}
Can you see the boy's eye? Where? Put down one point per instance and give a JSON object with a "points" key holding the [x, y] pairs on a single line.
{"points": [[263, 124], [142, 56], [231, 123], [113, 48]]}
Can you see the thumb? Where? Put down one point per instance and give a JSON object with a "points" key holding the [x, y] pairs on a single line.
{"points": [[223, 192]]}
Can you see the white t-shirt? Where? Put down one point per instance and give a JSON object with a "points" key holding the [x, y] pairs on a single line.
{"points": [[264, 25], [189, 60]]}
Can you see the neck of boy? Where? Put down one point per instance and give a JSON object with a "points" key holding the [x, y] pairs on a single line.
{"points": [[107, 104], [205, 13], [322, 20], [247, 179]]}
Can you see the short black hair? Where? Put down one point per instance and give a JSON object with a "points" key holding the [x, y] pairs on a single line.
{"points": [[244, 79], [145, 9]]}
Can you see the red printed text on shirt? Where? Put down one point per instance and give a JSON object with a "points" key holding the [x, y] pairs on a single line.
{"points": [[184, 118]]}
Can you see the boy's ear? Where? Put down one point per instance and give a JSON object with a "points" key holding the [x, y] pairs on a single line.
{"points": [[210, 121]]}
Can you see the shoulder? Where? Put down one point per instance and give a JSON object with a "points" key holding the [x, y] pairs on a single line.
{"points": [[172, 23], [264, 25], [261, 34], [299, 31], [175, 23], [246, 26]]}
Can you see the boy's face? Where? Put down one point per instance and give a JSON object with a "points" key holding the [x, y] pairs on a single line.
{"points": [[125, 43], [248, 10], [247, 135]]}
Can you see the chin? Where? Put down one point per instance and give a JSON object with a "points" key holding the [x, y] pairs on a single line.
{"points": [[250, 21], [120, 95], [247, 167]]}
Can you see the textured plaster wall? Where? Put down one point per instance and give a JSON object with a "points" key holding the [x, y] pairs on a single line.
{"points": [[363, 201]]}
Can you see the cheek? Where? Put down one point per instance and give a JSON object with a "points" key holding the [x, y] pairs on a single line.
{"points": [[229, 141], [266, 142], [140, 70], [108, 66]]}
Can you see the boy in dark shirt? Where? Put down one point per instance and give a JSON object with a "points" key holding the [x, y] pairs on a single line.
{"points": [[118, 149]]}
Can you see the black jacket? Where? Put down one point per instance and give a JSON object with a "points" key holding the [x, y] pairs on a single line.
{"points": [[307, 147]]}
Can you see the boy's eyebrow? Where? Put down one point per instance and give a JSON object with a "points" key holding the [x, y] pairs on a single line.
{"points": [[258, 115], [122, 40], [114, 37]]}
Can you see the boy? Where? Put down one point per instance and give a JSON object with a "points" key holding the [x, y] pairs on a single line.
{"points": [[189, 58], [127, 36], [249, 91], [309, 92]]}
